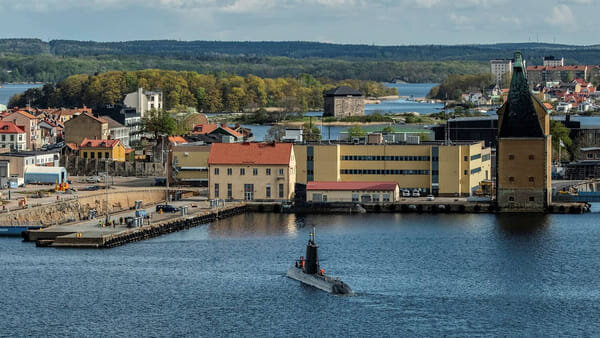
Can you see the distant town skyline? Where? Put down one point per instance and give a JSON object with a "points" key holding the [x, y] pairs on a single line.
{"points": [[381, 22]]}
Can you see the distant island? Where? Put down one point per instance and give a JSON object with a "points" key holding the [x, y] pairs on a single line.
{"points": [[33, 60]]}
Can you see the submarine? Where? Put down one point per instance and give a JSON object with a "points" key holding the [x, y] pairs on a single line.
{"points": [[307, 271]]}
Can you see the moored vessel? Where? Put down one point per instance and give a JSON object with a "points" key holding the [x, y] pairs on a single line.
{"points": [[308, 271]]}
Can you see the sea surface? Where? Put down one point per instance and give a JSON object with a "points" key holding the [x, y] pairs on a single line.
{"points": [[414, 275], [8, 90]]}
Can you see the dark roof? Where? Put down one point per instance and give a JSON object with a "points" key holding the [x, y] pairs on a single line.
{"points": [[117, 113], [111, 122], [519, 117], [342, 91]]}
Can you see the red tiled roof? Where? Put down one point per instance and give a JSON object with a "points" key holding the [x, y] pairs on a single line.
{"points": [[25, 113], [177, 139], [548, 105], [87, 143], [208, 128], [10, 128], [250, 153], [578, 67], [72, 146], [349, 186]]}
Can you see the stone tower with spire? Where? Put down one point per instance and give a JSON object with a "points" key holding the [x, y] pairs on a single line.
{"points": [[524, 148]]}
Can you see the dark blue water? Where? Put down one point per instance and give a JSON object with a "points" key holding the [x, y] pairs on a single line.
{"points": [[421, 275], [8, 90]]}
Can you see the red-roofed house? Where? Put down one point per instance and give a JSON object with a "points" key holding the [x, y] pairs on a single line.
{"points": [[252, 171], [102, 149], [357, 192], [12, 136], [228, 135], [29, 124]]}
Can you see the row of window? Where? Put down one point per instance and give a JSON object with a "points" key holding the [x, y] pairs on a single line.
{"points": [[255, 171], [93, 154], [267, 191], [383, 172], [383, 158], [12, 137]]}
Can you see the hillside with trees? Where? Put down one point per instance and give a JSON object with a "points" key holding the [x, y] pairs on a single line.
{"points": [[33, 60], [206, 93]]}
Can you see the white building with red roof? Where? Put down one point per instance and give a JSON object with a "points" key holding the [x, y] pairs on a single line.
{"points": [[353, 192], [12, 136]]}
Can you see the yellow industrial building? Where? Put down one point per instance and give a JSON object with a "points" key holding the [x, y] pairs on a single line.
{"points": [[436, 168]]}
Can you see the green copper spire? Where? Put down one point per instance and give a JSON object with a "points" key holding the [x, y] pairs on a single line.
{"points": [[520, 118]]}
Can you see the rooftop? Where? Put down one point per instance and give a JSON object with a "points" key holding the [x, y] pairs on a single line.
{"points": [[111, 122], [342, 91], [10, 128], [352, 186], [87, 143], [250, 153]]}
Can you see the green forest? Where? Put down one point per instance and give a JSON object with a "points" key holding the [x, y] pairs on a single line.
{"points": [[455, 85], [183, 89]]}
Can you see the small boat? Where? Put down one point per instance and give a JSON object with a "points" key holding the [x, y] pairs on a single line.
{"points": [[307, 271]]}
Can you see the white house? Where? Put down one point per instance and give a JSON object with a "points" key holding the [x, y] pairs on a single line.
{"points": [[564, 107], [12, 136], [144, 101]]}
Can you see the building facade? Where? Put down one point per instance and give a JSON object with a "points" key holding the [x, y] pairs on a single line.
{"points": [[12, 136], [499, 67], [342, 102], [29, 124], [85, 126], [553, 62], [188, 164], [436, 168], [524, 149], [352, 192], [144, 101], [117, 131], [102, 149], [252, 171]]}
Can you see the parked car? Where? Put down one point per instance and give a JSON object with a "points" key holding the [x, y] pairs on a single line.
{"points": [[416, 193], [430, 198], [93, 179], [405, 193], [166, 208], [140, 213], [91, 188]]}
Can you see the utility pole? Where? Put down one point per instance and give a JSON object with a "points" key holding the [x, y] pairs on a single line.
{"points": [[106, 188]]}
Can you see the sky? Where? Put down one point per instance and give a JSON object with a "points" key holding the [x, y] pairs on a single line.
{"points": [[381, 22]]}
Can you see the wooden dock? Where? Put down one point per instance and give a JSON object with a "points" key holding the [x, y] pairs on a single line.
{"points": [[90, 236]]}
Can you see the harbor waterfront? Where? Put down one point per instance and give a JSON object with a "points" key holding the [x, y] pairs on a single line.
{"points": [[413, 274]]}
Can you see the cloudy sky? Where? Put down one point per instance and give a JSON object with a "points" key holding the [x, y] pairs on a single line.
{"points": [[383, 22]]}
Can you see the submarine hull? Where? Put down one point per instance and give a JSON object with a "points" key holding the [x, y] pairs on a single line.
{"points": [[324, 283]]}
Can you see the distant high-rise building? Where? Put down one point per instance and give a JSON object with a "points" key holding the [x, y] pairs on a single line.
{"points": [[554, 62], [500, 67]]}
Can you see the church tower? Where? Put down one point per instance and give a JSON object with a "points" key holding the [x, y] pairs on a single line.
{"points": [[524, 149]]}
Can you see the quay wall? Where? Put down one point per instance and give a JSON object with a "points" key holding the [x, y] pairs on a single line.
{"points": [[77, 209]]}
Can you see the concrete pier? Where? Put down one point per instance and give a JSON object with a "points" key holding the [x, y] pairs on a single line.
{"points": [[91, 235]]}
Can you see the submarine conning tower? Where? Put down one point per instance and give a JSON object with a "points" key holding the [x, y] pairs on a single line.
{"points": [[311, 265]]}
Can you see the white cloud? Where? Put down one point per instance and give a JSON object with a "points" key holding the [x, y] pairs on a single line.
{"points": [[562, 16]]}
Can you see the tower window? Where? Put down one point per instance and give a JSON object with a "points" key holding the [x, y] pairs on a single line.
{"points": [[531, 157], [531, 179], [511, 157], [511, 198], [531, 199], [511, 179]]}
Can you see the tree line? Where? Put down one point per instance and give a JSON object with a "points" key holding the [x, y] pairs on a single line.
{"points": [[455, 85], [183, 89]]}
